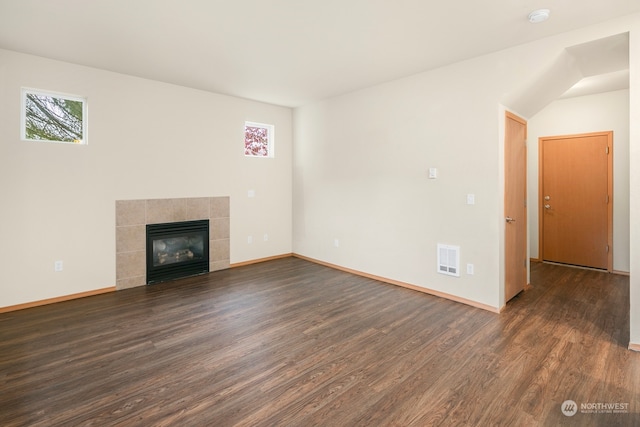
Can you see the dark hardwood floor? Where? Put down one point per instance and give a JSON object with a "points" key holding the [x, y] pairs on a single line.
{"points": [[292, 343]]}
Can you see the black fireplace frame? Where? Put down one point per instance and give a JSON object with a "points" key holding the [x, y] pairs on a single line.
{"points": [[163, 273]]}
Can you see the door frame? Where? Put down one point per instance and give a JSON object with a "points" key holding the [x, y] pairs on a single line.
{"points": [[609, 135]]}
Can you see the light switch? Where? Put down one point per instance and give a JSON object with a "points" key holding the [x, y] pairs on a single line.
{"points": [[471, 199], [433, 173]]}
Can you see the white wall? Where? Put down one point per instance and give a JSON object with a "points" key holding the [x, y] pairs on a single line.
{"points": [[602, 112], [146, 140], [361, 161], [360, 176]]}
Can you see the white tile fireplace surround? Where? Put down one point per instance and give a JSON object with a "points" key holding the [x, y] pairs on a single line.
{"points": [[132, 217]]}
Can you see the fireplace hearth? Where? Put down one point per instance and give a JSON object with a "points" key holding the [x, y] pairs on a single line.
{"points": [[177, 249]]}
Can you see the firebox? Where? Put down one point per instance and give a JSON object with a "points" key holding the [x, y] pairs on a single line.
{"points": [[177, 249]]}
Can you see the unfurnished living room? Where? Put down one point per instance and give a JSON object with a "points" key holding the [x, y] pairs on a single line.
{"points": [[306, 213]]}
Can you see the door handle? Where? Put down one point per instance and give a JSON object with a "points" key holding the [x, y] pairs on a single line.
{"points": [[509, 219], [547, 206]]}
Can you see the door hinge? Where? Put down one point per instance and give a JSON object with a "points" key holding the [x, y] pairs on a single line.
{"points": [[607, 248], [607, 198], [524, 263], [607, 149]]}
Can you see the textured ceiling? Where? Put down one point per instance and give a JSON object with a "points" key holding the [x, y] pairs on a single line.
{"points": [[285, 52]]}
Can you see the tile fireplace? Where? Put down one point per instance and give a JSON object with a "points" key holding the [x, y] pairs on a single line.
{"points": [[133, 216]]}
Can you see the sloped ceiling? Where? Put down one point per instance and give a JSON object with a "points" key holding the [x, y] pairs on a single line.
{"points": [[284, 52], [588, 68], [617, 80]]}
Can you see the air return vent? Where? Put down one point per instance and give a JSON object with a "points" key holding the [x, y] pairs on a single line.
{"points": [[449, 260]]}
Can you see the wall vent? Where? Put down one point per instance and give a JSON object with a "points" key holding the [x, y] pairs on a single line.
{"points": [[449, 260]]}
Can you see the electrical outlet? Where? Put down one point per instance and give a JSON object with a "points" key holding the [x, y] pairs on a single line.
{"points": [[250, 239], [265, 237], [470, 269], [57, 266], [336, 243]]}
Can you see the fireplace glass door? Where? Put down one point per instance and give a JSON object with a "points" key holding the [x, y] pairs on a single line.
{"points": [[177, 249]]}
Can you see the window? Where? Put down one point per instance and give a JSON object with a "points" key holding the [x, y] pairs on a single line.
{"points": [[53, 117], [258, 139]]}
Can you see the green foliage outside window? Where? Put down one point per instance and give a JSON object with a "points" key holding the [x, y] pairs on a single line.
{"points": [[53, 118]]}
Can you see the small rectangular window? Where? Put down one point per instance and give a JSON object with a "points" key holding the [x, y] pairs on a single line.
{"points": [[53, 117], [258, 140]]}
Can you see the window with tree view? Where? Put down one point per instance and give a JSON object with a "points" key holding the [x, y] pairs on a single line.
{"points": [[258, 139], [53, 117]]}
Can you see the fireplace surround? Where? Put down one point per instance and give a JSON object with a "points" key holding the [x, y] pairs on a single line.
{"points": [[132, 217]]}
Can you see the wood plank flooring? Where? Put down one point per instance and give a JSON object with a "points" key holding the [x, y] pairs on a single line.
{"points": [[291, 343]]}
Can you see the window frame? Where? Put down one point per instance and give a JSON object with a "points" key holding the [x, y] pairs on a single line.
{"points": [[25, 91], [271, 132]]}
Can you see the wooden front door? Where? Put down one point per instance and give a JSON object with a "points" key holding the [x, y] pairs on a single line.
{"points": [[576, 191], [515, 205]]}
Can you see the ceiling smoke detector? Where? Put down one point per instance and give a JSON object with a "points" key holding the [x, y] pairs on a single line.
{"points": [[539, 15]]}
